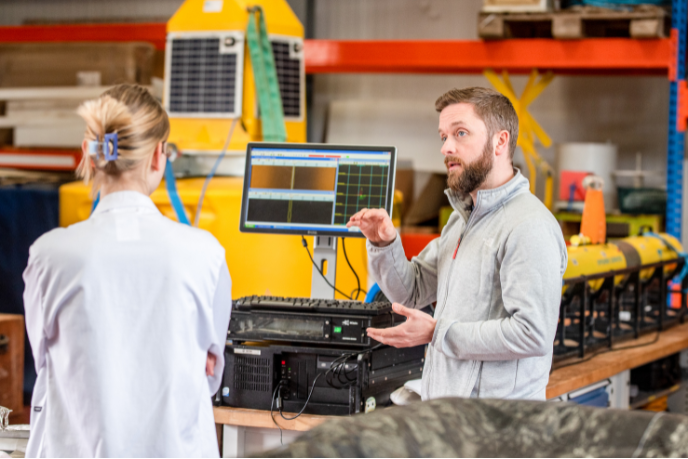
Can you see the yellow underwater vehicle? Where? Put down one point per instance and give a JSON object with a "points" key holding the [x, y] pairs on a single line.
{"points": [[617, 289]]}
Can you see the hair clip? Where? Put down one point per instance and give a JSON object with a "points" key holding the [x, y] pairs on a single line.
{"points": [[95, 147]]}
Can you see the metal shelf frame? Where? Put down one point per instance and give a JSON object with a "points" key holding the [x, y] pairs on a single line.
{"points": [[603, 56]]}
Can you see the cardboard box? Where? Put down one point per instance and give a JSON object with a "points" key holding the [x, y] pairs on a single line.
{"points": [[12, 362], [425, 210], [404, 182], [57, 64]]}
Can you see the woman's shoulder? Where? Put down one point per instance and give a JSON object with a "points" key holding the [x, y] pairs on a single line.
{"points": [[192, 237]]}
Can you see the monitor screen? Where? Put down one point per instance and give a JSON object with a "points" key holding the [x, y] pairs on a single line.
{"points": [[314, 189]]}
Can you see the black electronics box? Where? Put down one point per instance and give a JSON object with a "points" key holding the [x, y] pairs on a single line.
{"points": [[272, 376], [311, 328]]}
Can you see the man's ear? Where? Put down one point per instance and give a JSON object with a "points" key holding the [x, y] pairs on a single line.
{"points": [[501, 143], [84, 147]]}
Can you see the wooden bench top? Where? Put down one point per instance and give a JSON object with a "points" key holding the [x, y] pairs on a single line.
{"points": [[561, 380]]}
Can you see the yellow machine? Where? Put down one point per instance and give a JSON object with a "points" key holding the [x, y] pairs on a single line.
{"points": [[209, 84], [586, 260], [209, 77]]}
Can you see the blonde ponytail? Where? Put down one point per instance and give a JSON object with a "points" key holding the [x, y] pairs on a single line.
{"points": [[139, 121]]}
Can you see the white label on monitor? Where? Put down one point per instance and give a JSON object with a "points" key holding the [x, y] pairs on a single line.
{"points": [[247, 351], [212, 6]]}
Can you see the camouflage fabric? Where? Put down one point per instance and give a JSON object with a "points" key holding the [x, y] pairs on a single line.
{"points": [[495, 428]]}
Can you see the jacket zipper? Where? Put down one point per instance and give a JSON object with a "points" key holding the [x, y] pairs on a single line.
{"points": [[458, 244]]}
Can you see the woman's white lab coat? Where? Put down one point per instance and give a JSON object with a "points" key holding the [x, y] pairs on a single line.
{"points": [[121, 311]]}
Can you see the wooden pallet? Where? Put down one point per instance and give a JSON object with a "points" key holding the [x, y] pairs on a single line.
{"points": [[587, 22]]}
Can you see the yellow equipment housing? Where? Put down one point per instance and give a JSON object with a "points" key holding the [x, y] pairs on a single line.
{"points": [[209, 76], [258, 263], [594, 259], [629, 252]]}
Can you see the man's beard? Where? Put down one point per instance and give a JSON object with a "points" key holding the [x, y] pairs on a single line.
{"points": [[473, 174]]}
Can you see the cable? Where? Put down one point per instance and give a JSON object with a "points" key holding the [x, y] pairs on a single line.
{"points": [[212, 173], [358, 281], [339, 363], [277, 394], [307, 400], [305, 245], [272, 403], [605, 351]]}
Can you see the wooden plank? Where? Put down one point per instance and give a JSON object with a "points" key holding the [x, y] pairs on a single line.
{"points": [[647, 28], [55, 93], [647, 22], [567, 26], [608, 364], [258, 418]]}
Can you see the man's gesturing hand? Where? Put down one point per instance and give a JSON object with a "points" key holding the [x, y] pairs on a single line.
{"points": [[418, 329], [375, 225]]}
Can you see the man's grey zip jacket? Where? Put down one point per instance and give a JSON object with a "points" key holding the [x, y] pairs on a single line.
{"points": [[497, 299]]}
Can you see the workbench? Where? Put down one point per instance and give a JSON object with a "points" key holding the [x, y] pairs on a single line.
{"points": [[247, 432]]}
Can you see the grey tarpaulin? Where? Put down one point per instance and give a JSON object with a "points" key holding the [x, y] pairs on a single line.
{"points": [[495, 428]]}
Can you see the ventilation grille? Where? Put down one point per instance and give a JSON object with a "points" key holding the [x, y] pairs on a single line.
{"points": [[252, 373], [202, 79], [289, 75]]}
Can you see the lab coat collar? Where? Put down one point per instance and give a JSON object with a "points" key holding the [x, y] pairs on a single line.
{"points": [[123, 200]]}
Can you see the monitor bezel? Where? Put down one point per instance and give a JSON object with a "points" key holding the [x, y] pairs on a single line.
{"points": [[320, 146]]}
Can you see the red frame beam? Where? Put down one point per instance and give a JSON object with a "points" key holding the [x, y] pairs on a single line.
{"points": [[154, 33], [588, 56]]}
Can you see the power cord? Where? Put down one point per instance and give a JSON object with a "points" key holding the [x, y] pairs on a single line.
{"points": [[305, 245], [279, 403], [277, 397], [358, 281], [310, 393], [335, 367], [212, 173], [339, 364]]}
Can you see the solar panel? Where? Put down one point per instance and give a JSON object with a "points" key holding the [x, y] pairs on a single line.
{"points": [[204, 76], [288, 63]]}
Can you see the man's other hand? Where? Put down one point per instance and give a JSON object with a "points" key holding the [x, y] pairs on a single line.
{"points": [[418, 329], [375, 225]]}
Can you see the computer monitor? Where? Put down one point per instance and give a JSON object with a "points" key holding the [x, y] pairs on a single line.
{"points": [[313, 189]]}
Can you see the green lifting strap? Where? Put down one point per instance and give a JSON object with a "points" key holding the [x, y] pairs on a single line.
{"points": [[265, 76]]}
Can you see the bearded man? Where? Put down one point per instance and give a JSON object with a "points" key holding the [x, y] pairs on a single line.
{"points": [[495, 272]]}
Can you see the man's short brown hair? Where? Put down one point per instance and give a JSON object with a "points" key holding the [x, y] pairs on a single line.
{"points": [[493, 108]]}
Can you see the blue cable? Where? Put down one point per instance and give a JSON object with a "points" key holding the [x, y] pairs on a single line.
{"points": [[95, 203], [171, 185], [684, 270], [370, 296]]}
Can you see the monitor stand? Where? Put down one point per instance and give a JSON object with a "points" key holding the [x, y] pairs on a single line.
{"points": [[324, 249]]}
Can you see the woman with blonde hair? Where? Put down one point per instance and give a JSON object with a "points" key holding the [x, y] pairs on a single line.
{"points": [[127, 312]]}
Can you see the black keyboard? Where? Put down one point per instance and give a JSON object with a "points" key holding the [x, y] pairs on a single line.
{"points": [[278, 303]]}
